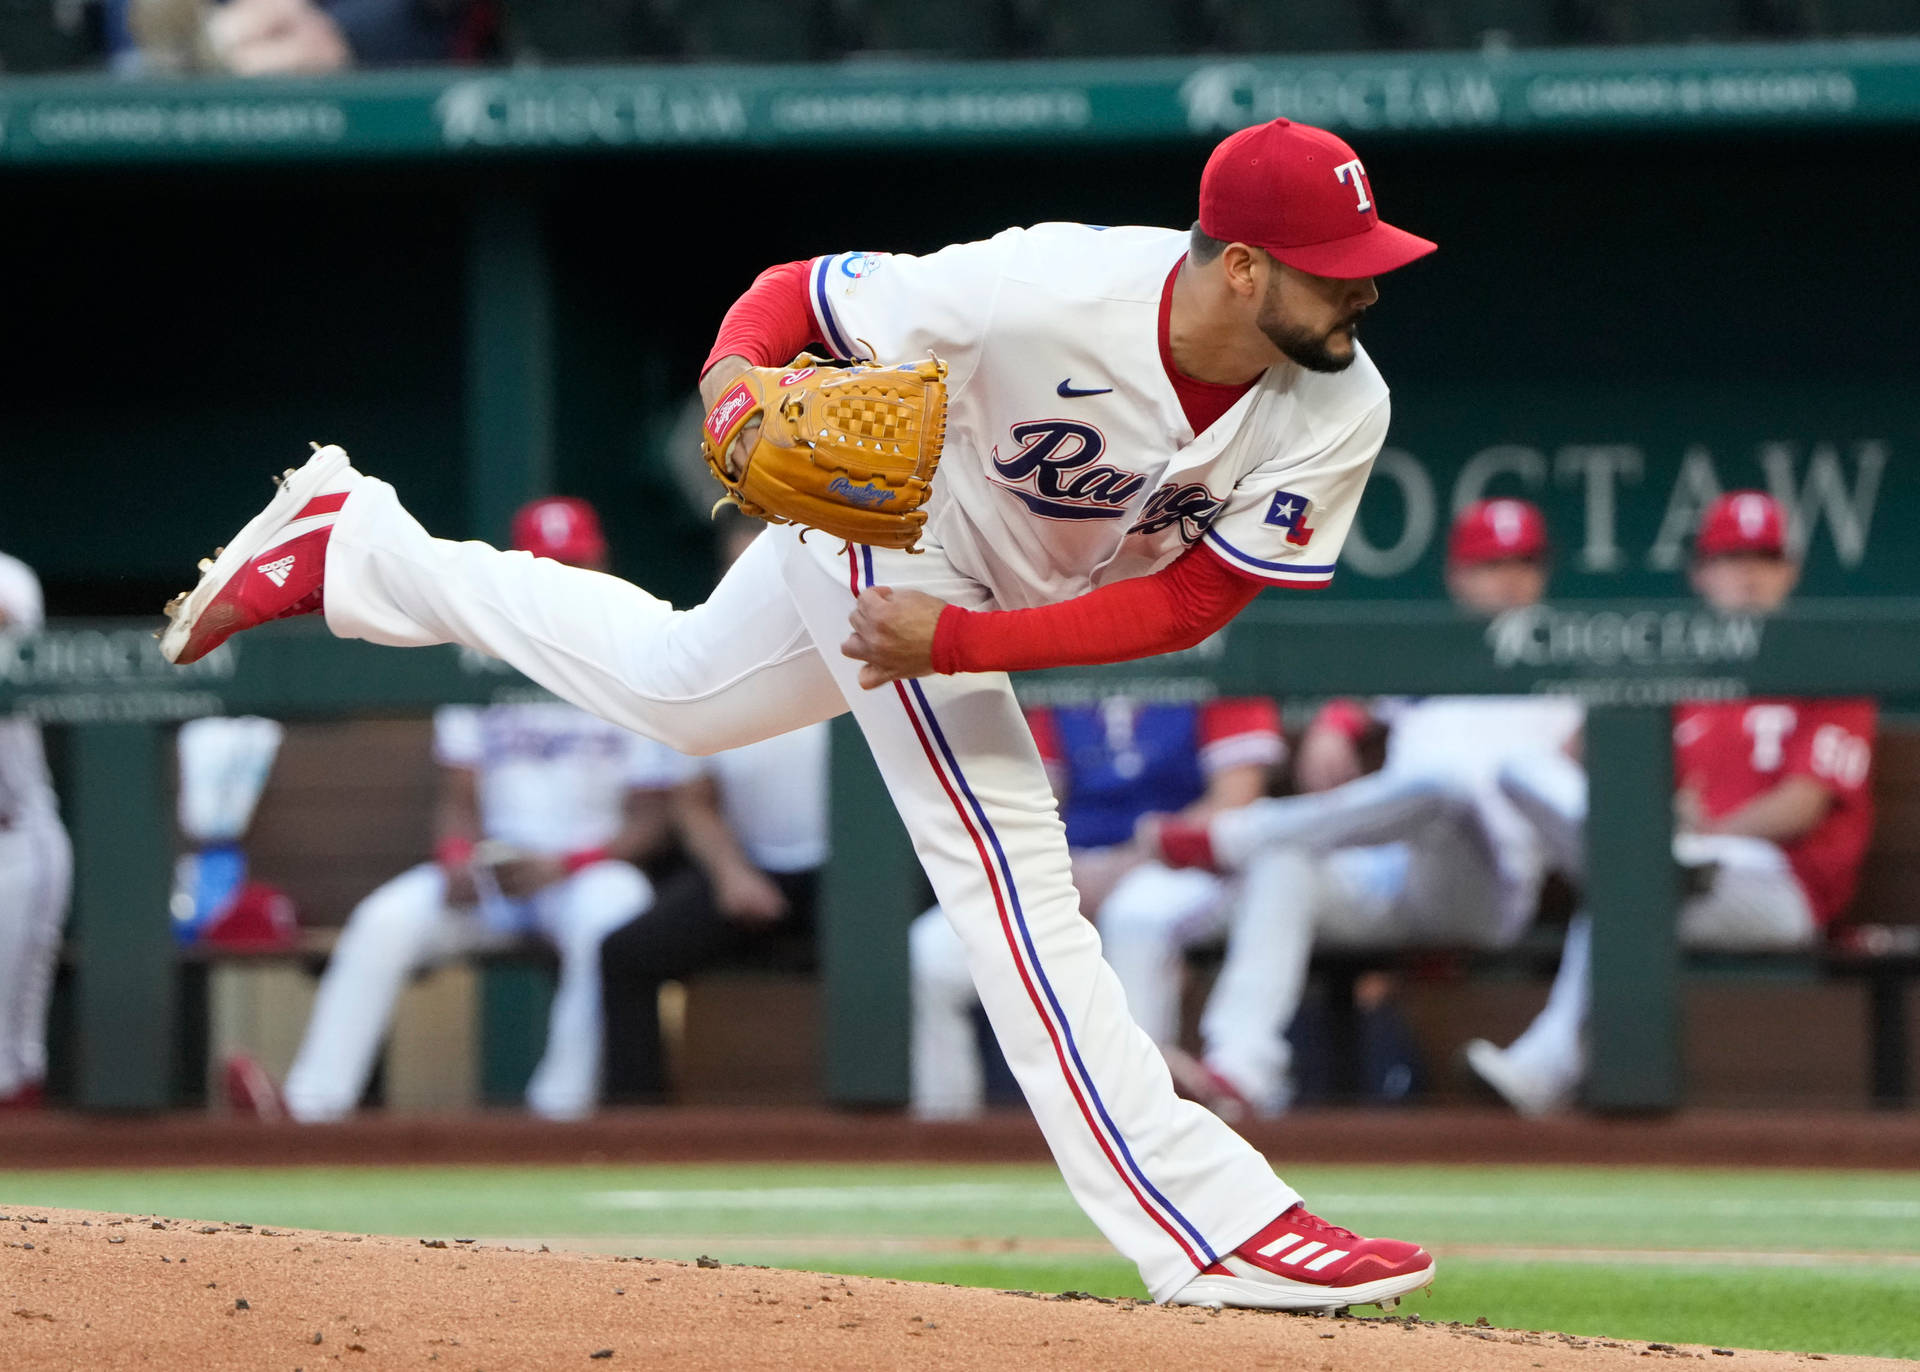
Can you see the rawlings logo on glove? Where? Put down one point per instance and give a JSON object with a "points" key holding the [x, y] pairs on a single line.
{"points": [[850, 451]]}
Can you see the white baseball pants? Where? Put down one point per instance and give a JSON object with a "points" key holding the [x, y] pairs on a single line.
{"points": [[36, 877], [405, 927], [1166, 1181], [1753, 903]]}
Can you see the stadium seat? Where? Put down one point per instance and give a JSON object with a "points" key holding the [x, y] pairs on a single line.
{"points": [[1672, 21], [36, 36], [756, 30], [1111, 28], [981, 28], [1281, 26], [1868, 18], [562, 31], [1474, 23], [1783, 18]]}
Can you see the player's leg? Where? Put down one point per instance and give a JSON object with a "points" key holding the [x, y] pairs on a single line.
{"points": [[1550, 789], [1540, 1071], [36, 877], [1170, 1184], [1287, 901], [577, 915], [1147, 922], [728, 672], [948, 1081], [1384, 807], [1753, 900], [681, 932], [396, 931], [1456, 892]]}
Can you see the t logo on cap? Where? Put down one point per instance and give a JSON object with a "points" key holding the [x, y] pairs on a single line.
{"points": [[1352, 173]]}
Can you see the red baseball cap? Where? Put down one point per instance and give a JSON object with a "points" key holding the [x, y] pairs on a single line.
{"points": [[1742, 522], [1497, 531], [561, 527], [1302, 195]]}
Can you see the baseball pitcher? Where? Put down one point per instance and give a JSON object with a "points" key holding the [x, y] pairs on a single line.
{"points": [[1138, 429]]}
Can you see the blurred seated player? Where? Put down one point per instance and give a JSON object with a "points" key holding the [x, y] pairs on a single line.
{"points": [[544, 810], [752, 823], [1110, 763], [1772, 810], [1426, 850], [290, 37], [36, 872]]}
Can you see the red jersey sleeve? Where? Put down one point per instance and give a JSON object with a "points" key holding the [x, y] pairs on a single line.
{"points": [[1173, 608], [1238, 733], [770, 323]]}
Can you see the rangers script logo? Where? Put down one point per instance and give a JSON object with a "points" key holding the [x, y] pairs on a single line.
{"points": [[1055, 474], [1193, 507]]}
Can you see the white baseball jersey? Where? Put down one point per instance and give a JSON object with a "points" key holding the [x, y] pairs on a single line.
{"points": [[1069, 462], [553, 779], [25, 786], [773, 795]]}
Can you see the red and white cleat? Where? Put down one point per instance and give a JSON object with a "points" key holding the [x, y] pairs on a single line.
{"points": [[1300, 1262], [272, 569]]}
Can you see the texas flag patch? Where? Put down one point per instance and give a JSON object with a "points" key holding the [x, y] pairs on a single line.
{"points": [[1289, 511]]}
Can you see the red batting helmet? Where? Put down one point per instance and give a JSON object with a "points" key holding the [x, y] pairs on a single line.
{"points": [[561, 527], [1497, 531], [1742, 522]]}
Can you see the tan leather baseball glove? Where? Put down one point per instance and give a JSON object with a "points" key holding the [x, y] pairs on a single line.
{"points": [[850, 451]]}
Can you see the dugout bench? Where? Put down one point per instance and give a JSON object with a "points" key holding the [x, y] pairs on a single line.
{"points": [[1629, 661]]}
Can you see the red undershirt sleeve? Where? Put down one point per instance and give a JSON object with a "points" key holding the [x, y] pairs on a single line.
{"points": [[1142, 616], [770, 323]]}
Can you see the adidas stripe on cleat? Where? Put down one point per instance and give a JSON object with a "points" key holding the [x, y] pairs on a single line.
{"points": [[272, 569], [1300, 1262]]}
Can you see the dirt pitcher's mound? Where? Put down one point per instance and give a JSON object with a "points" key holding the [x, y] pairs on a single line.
{"points": [[117, 1291]]}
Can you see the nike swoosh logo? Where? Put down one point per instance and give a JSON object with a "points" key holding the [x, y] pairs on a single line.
{"points": [[1068, 390]]}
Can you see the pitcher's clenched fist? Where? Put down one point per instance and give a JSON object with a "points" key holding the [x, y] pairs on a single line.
{"points": [[892, 634]]}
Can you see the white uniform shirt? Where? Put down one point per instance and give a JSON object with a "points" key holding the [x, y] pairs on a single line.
{"points": [[1470, 738], [773, 796], [1069, 462], [25, 786], [552, 778]]}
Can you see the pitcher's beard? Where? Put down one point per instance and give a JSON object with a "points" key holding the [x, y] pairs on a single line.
{"points": [[1310, 350]]}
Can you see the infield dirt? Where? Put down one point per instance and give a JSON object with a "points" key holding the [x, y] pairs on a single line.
{"points": [[116, 1291]]}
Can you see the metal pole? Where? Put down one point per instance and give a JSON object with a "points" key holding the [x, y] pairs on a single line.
{"points": [[1633, 894], [871, 893], [124, 984]]}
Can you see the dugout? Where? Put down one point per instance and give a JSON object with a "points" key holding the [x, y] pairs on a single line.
{"points": [[1664, 272]]}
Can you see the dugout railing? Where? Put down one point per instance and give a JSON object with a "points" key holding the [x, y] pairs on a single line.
{"points": [[108, 688]]}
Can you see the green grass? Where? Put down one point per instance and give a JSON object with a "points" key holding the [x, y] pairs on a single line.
{"points": [[1814, 1261]]}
